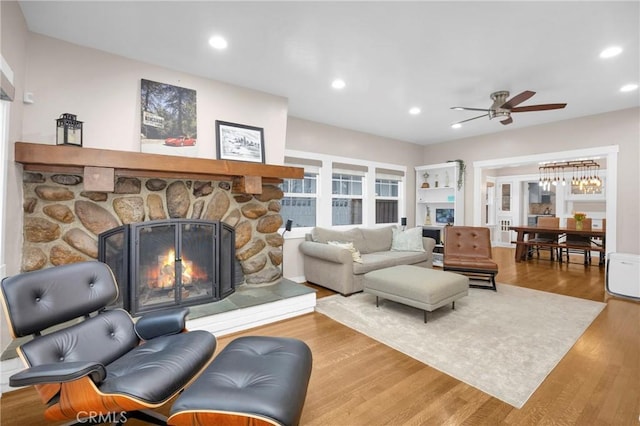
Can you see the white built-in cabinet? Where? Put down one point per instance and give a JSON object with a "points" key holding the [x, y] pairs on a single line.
{"points": [[439, 195]]}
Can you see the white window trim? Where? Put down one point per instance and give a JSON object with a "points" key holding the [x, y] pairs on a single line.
{"points": [[400, 182], [324, 189], [301, 230]]}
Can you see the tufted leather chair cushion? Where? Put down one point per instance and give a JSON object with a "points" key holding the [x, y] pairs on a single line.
{"points": [[40, 299], [468, 247], [260, 376], [155, 369], [102, 339]]}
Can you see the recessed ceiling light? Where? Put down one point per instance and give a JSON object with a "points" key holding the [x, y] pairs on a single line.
{"points": [[629, 87], [218, 42], [610, 52], [415, 111], [456, 126], [338, 84]]}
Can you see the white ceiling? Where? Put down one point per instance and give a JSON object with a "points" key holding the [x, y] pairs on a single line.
{"points": [[392, 55]]}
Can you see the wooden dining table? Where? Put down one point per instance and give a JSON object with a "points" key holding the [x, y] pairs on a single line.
{"points": [[522, 244]]}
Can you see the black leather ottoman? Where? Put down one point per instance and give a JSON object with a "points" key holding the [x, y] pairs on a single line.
{"points": [[257, 380]]}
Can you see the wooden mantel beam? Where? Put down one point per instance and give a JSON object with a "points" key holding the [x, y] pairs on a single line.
{"points": [[41, 157]]}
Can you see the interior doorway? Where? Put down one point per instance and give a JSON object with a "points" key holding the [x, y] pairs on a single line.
{"points": [[482, 169]]}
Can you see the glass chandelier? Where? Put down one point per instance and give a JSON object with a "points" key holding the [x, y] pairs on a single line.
{"points": [[585, 174]]}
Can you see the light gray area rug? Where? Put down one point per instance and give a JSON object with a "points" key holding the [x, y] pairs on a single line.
{"points": [[504, 343]]}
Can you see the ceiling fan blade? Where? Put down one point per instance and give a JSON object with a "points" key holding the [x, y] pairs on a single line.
{"points": [[469, 109], [469, 119], [507, 120], [541, 107], [518, 99]]}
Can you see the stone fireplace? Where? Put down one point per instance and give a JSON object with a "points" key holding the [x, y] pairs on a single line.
{"points": [[71, 195], [62, 220]]}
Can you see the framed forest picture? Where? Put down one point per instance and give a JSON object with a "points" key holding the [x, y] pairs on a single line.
{"points": [[168, 119]]}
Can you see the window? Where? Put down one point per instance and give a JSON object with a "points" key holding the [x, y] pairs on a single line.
{"points": [[386, 200], [340, 191], [346, 201], [299, 201]]}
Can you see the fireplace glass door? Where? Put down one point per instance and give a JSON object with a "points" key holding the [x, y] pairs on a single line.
{"points": [[162, 264], [175, 265]]}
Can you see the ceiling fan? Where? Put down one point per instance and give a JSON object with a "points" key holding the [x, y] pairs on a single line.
{"points": [[502, 107]]}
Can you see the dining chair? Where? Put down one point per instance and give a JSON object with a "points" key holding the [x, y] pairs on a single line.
{"points": [[546, 240], [571, 242]]}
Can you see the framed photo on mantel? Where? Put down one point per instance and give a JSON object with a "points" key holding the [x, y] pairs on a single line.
{"points": [[168, 119], [239, 142]]}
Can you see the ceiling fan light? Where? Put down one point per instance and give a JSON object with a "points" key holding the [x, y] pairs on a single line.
{"points": [[610, 52], [338, 84], [493, 113], [456, 125], [629, 87], [218, 42]]}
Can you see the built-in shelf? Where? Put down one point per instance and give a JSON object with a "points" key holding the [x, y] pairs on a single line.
{"points": [[247, 176], [437, 194]]}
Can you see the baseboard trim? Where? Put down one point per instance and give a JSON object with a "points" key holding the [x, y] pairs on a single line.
{"points": [[254, 316], [8, 368]]}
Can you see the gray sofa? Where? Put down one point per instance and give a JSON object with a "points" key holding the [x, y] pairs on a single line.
{"points": [[333, 267]]}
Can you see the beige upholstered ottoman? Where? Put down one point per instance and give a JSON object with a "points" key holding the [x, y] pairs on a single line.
{"points": [[423, 288]]}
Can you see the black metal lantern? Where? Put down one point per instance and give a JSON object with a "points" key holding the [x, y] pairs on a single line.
{"points": [[69, 130]]}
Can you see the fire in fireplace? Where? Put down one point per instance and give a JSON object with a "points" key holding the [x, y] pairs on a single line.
{"points": [[166, 263]]}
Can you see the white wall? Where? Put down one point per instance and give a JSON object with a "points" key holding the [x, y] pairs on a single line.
{"points": [[13, 37], [620, 128], [103, 90]]}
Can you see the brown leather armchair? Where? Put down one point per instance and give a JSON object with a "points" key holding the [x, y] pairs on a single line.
{"points": [[467, 250]]}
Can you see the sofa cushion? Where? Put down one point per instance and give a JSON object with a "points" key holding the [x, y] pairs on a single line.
{"points": [[385, 259], [409, 240], [376, 239], [324, 235]]}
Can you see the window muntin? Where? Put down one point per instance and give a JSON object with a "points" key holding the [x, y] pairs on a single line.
{"points": [[347, 199], [345, 184], [386, 188], [387, 204], [346, 190], [299, 203]]}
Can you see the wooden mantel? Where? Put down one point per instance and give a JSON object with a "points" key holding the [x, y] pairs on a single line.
{"points": [[246, 176]]}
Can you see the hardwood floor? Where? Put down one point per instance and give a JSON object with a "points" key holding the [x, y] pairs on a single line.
{"points": [[358, 381]]}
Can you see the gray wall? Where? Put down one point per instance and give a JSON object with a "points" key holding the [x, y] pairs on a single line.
{"points": [[620, 128]]}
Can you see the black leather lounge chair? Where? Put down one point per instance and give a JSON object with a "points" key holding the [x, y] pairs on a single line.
{"points": [[104, 366]]}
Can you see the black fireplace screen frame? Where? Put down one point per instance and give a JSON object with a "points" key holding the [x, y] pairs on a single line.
{"points": [[120, 248]]}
